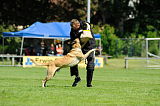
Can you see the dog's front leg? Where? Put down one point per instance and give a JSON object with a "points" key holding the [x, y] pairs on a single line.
{"points": [[87, 54]]}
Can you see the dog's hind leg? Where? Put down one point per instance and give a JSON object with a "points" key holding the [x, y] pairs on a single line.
{"points": [[50, 73]]}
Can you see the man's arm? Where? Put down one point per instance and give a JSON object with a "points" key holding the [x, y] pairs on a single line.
{"points": [[75, 34]]}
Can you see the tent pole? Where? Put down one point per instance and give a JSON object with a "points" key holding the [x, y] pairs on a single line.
{"points": [[100, 44], [22, 46], [62, 42], [3, 45]]}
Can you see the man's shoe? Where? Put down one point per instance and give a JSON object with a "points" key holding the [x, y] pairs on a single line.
{"points": [[89, 85], [77, 79]]}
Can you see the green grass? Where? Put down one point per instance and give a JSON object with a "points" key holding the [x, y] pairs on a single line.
{"points": [[112, 85]]}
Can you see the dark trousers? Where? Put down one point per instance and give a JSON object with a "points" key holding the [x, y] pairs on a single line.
{"points": [[89, 68]]}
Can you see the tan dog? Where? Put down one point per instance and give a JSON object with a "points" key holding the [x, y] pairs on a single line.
{"points": [[74, 57]]}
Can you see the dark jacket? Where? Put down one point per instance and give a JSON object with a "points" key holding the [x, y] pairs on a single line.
{"points": [[76, 34]]}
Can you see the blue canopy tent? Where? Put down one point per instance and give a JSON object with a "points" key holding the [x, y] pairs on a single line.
{"points": [[52, 30]]}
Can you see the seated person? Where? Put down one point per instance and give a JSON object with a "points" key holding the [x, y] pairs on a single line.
{"points": [[59, 50], [43, 49], [52, 50]]}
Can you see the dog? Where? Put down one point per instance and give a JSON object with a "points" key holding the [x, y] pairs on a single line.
{"points": [[74, 57]]}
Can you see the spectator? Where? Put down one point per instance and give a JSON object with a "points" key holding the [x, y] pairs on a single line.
{"points": [[27, 52], [43, 51], [32, 51], [59, 50], [52, 50]]}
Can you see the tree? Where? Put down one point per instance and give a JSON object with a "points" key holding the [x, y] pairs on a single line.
{"points": [[111, 43], [22, 12]]}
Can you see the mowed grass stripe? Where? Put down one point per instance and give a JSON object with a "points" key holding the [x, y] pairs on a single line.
{"points": [[22, 86]]}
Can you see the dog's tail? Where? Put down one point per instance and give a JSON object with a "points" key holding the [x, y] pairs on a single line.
{"points": [[39, 64], [87, 54]]}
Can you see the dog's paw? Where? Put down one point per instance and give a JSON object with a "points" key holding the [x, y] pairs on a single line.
{"points": [[43, 84]]}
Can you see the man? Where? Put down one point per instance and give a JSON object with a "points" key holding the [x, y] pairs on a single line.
{"points": [[76, 31]]}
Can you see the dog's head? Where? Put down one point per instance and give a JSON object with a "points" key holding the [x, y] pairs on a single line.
{"points": [[76, 43]]}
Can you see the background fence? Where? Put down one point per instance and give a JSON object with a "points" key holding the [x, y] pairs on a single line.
{"points": [[123, 47]]}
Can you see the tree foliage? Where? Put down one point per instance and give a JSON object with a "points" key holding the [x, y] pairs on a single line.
{"points": [[124, 15], [111, 43], [128, 18]]}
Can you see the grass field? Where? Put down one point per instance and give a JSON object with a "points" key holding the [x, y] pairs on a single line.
{"points": [[112, 85]]}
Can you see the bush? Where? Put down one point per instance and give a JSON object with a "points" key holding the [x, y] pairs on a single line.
{"points": [[3, 49], [11, 44], [112, 45]]}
